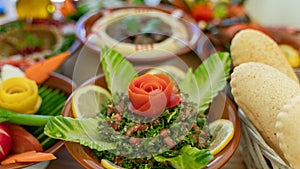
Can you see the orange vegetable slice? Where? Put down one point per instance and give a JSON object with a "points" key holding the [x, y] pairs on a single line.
{"points": [[40, 71], [28, 156], [12, 158], [36, 157]]}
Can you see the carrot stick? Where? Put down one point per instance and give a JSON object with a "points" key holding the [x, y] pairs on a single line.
{"points": [[28, 156], [12, 158], [36, 157], [40, 71], [68, 8]]}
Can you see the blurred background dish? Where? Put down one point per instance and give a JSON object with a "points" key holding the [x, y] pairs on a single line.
{"points": [[141, 33], [24, 42]]}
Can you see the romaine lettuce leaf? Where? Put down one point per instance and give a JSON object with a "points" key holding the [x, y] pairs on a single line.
{"points": [[118, 71], [189, 87], [189, 157], [80, 130], [210, 77]]}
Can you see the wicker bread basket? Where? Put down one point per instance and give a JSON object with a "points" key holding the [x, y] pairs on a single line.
{"points": [[256, 153]]}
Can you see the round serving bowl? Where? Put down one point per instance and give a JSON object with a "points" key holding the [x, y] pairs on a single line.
{"points": [[65, 85], [24, 42], [221, 105], [181, 31]]}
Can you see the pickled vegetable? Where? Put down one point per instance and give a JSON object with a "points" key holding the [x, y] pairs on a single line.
{"points": [[20, 94]]}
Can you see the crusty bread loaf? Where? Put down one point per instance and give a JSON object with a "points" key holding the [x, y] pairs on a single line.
{"points": [[261, 91], [254, 46], [287, 126]]}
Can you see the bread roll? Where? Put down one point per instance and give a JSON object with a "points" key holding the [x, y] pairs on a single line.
{"points": [[261, 91], [288, 131], [253, 46]]}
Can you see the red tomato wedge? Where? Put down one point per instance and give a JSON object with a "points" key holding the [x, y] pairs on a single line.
{"points": [[202, 12], [22, 140], [5, 141]]}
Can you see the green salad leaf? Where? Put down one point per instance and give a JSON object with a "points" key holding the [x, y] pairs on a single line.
{"points": [[189, 87], [210, 77], [80, 130], [118, 71], [189, 157]]}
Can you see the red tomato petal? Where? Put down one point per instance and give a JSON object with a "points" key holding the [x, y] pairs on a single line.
{"points": [[164, 77], [155, 107], [149, 94], [152, 86], [174, 100], [168, 90], [136, 89], [136, 99]]}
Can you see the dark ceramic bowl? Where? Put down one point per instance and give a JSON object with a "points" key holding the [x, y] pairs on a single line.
{"points": [[91, 31], [64, 84], [221, 105]]}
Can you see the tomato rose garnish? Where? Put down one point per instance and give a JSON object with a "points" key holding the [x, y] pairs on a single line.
{"points": [[151, 94]]}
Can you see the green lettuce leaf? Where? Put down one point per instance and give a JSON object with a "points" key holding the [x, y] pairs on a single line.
{"points": [[189, 157], [211, 77], [118, 71], [189, 87], [80, 130]]}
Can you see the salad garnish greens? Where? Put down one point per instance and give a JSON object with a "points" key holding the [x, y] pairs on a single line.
{"points": [[150, 122]]}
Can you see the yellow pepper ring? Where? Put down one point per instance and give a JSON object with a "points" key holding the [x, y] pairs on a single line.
{"points": [[20, 94]]}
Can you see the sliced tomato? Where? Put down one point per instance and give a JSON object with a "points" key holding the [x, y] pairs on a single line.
{"points": [[5, 141], [22, 140], [202, 12]]}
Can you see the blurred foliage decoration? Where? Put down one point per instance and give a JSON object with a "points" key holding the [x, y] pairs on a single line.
{"points": [[83, 7]]}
